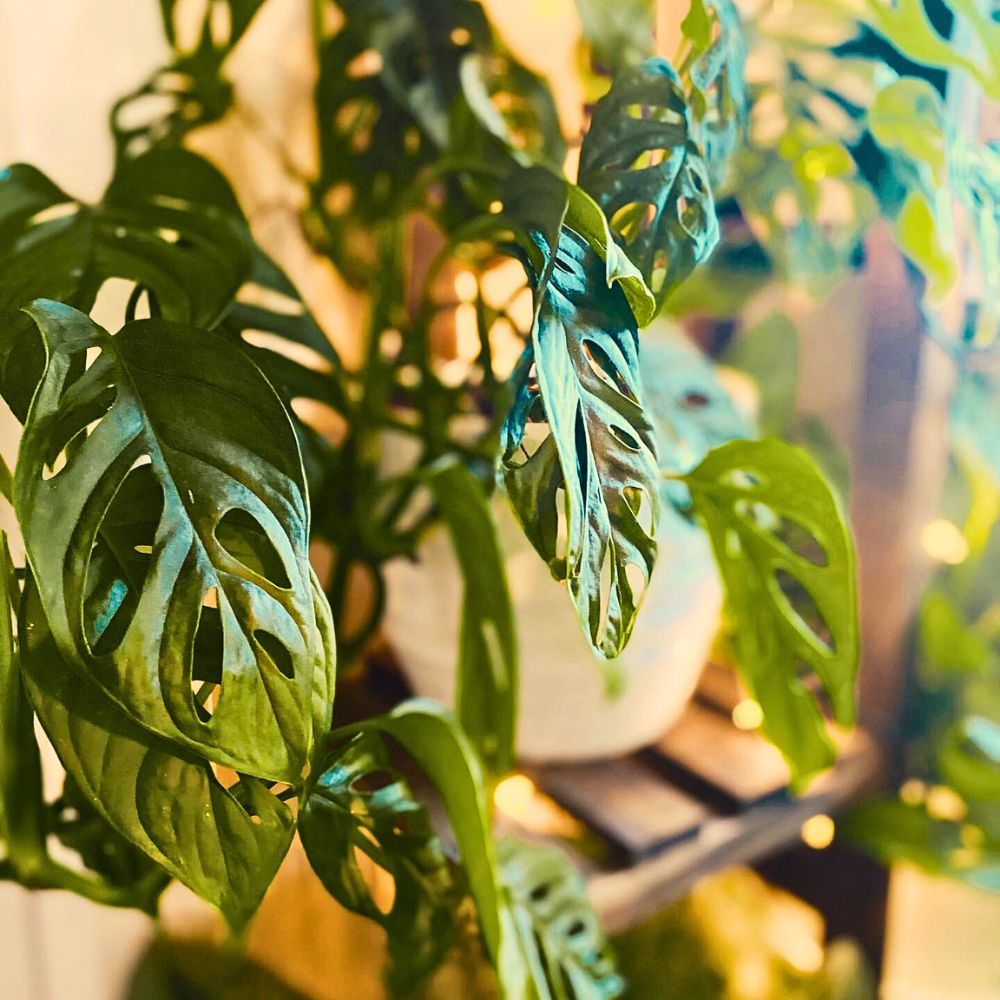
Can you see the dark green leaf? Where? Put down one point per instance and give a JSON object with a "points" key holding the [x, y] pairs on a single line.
{"points": [[361, 803], [172, 427], [785, 553], [168, 222], [581, 380], [445, 755], [191, 90], [225, 845], [560, 934], [487, 679], [641, 163]]}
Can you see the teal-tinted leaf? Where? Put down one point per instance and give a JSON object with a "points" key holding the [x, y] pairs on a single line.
{"points": [[442, 751], [714, 68], [172, 427], [168, 221], [560, 933], [787, 562], [191, 90], [581, 379], [642, 165], [225, 845], [487, 678], [361, 803]]}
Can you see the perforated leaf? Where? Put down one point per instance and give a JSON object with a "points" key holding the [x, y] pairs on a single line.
{"points": [[442, 751], [560, 933], [168, 221], [714, 68], [225, 845], [642, 165], [786, 558], [360, 803], [174, 429], [191, 90], [581, 380]]}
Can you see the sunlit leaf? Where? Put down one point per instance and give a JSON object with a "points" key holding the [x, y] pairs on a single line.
{"points": [[620, 35], [174, 428], [787, 562]]}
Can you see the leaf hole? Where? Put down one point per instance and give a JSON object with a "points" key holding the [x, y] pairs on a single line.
{"points": [[803, 606], [624, 438], [301, 354], [338, 199], [372, 781], [801, 541], [329, 423], [277, 652], [654, 113], [632, 220], [367, 63], [242, 536], [602, 366], [661, 264], [72, 428], [269, 300], [205, 696], [220, 24]]}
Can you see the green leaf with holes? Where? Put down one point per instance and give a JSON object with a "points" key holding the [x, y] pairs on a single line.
{"points": [[714, 70], [168, 221], [595, 468], [272, 325], [224, 845], [191, 90], [560, 934], [172, 450], [641, 163], [361, 804], [487, 677], [429, 734], [785, 553]]}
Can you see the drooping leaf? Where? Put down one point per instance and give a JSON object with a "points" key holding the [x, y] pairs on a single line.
{"points": [[714, 67], [642, 165], [172, 427], [191, 90], [225, 845], [444, 754], [168, 221], [560, 933], [361, 803], [787, 562], [581, 379], [487, 676]]}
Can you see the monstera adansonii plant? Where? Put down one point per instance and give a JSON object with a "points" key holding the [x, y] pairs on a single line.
{"points": [[166, 628]]}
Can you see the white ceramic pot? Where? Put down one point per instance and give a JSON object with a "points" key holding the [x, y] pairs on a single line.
{"points": [[564, 712]]}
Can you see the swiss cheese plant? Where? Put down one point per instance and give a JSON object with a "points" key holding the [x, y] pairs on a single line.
{"points": [[165, 626]]}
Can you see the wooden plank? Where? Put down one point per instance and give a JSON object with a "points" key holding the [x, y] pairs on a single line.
{"points": [[628, 896], [625, 802], [741, 766]]}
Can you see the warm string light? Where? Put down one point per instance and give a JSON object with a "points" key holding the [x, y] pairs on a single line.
{"points": [[818, 831], [944, 542]]}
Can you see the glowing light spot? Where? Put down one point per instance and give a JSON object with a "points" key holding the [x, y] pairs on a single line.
{"points": [[496, 207], [513, 796], [466, 331], [461, 36], [748, 715], [466, 286], [971, 836], [818, 831], [944, 542], [943, 803], [913, 792]]}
